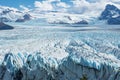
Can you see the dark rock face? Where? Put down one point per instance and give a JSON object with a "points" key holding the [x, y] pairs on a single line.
{"points": [[5, 26], [20, 20], [82, 22], [26, 17], [6, 11], [61, 22], [114, 20], [109, 12]]}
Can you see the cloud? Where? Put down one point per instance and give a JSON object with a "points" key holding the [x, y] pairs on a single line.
{"points": [[25, 9], [116, 1], [63, 5], [90, 7], [87, 7], [51, 5], [6, 7], [44, 5]]}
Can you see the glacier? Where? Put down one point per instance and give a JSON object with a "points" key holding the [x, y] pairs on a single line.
{"points": [[59, 53]]}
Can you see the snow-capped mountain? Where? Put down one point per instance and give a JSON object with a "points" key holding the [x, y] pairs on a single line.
{"points": [[111, 14], [26, 17], [115, 20], [110, 11], [65, 18], [8, 14]]}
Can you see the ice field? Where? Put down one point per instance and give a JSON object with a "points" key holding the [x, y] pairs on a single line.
{"points": [[31, 52]]}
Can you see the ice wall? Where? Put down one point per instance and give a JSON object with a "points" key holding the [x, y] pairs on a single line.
{"points": [[83, 61]]}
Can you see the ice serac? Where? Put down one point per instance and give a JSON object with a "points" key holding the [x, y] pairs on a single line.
{"points": [[82, 62], [87, 62], [10, 67]]}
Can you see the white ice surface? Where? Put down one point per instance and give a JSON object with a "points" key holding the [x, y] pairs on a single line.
{"points": [[60, 53]]}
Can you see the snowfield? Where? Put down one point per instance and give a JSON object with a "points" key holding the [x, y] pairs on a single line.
{"points": [[60, 53]]}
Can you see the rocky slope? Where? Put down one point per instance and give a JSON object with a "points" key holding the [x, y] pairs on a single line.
{"points": [[111, 14], [5, 26], [26, 17], [114, 20], [110, 11]]}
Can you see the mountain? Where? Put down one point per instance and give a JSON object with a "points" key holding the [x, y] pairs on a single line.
{"points": [[111, 14], [9, 14], [114, 20], [26, 17], [82, 22], [110, 11], [66, 18], [5, 26], [4, 19]]}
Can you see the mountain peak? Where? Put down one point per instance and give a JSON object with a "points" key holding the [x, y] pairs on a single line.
{"points": [[109, 12], [110, 7]]}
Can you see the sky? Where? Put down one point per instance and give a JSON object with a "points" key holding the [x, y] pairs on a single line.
{"points": [[16, 3], [74, 6], [27, 3]]}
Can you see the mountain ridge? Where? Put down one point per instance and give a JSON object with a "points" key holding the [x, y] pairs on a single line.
{"points": [[111, 14]]}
